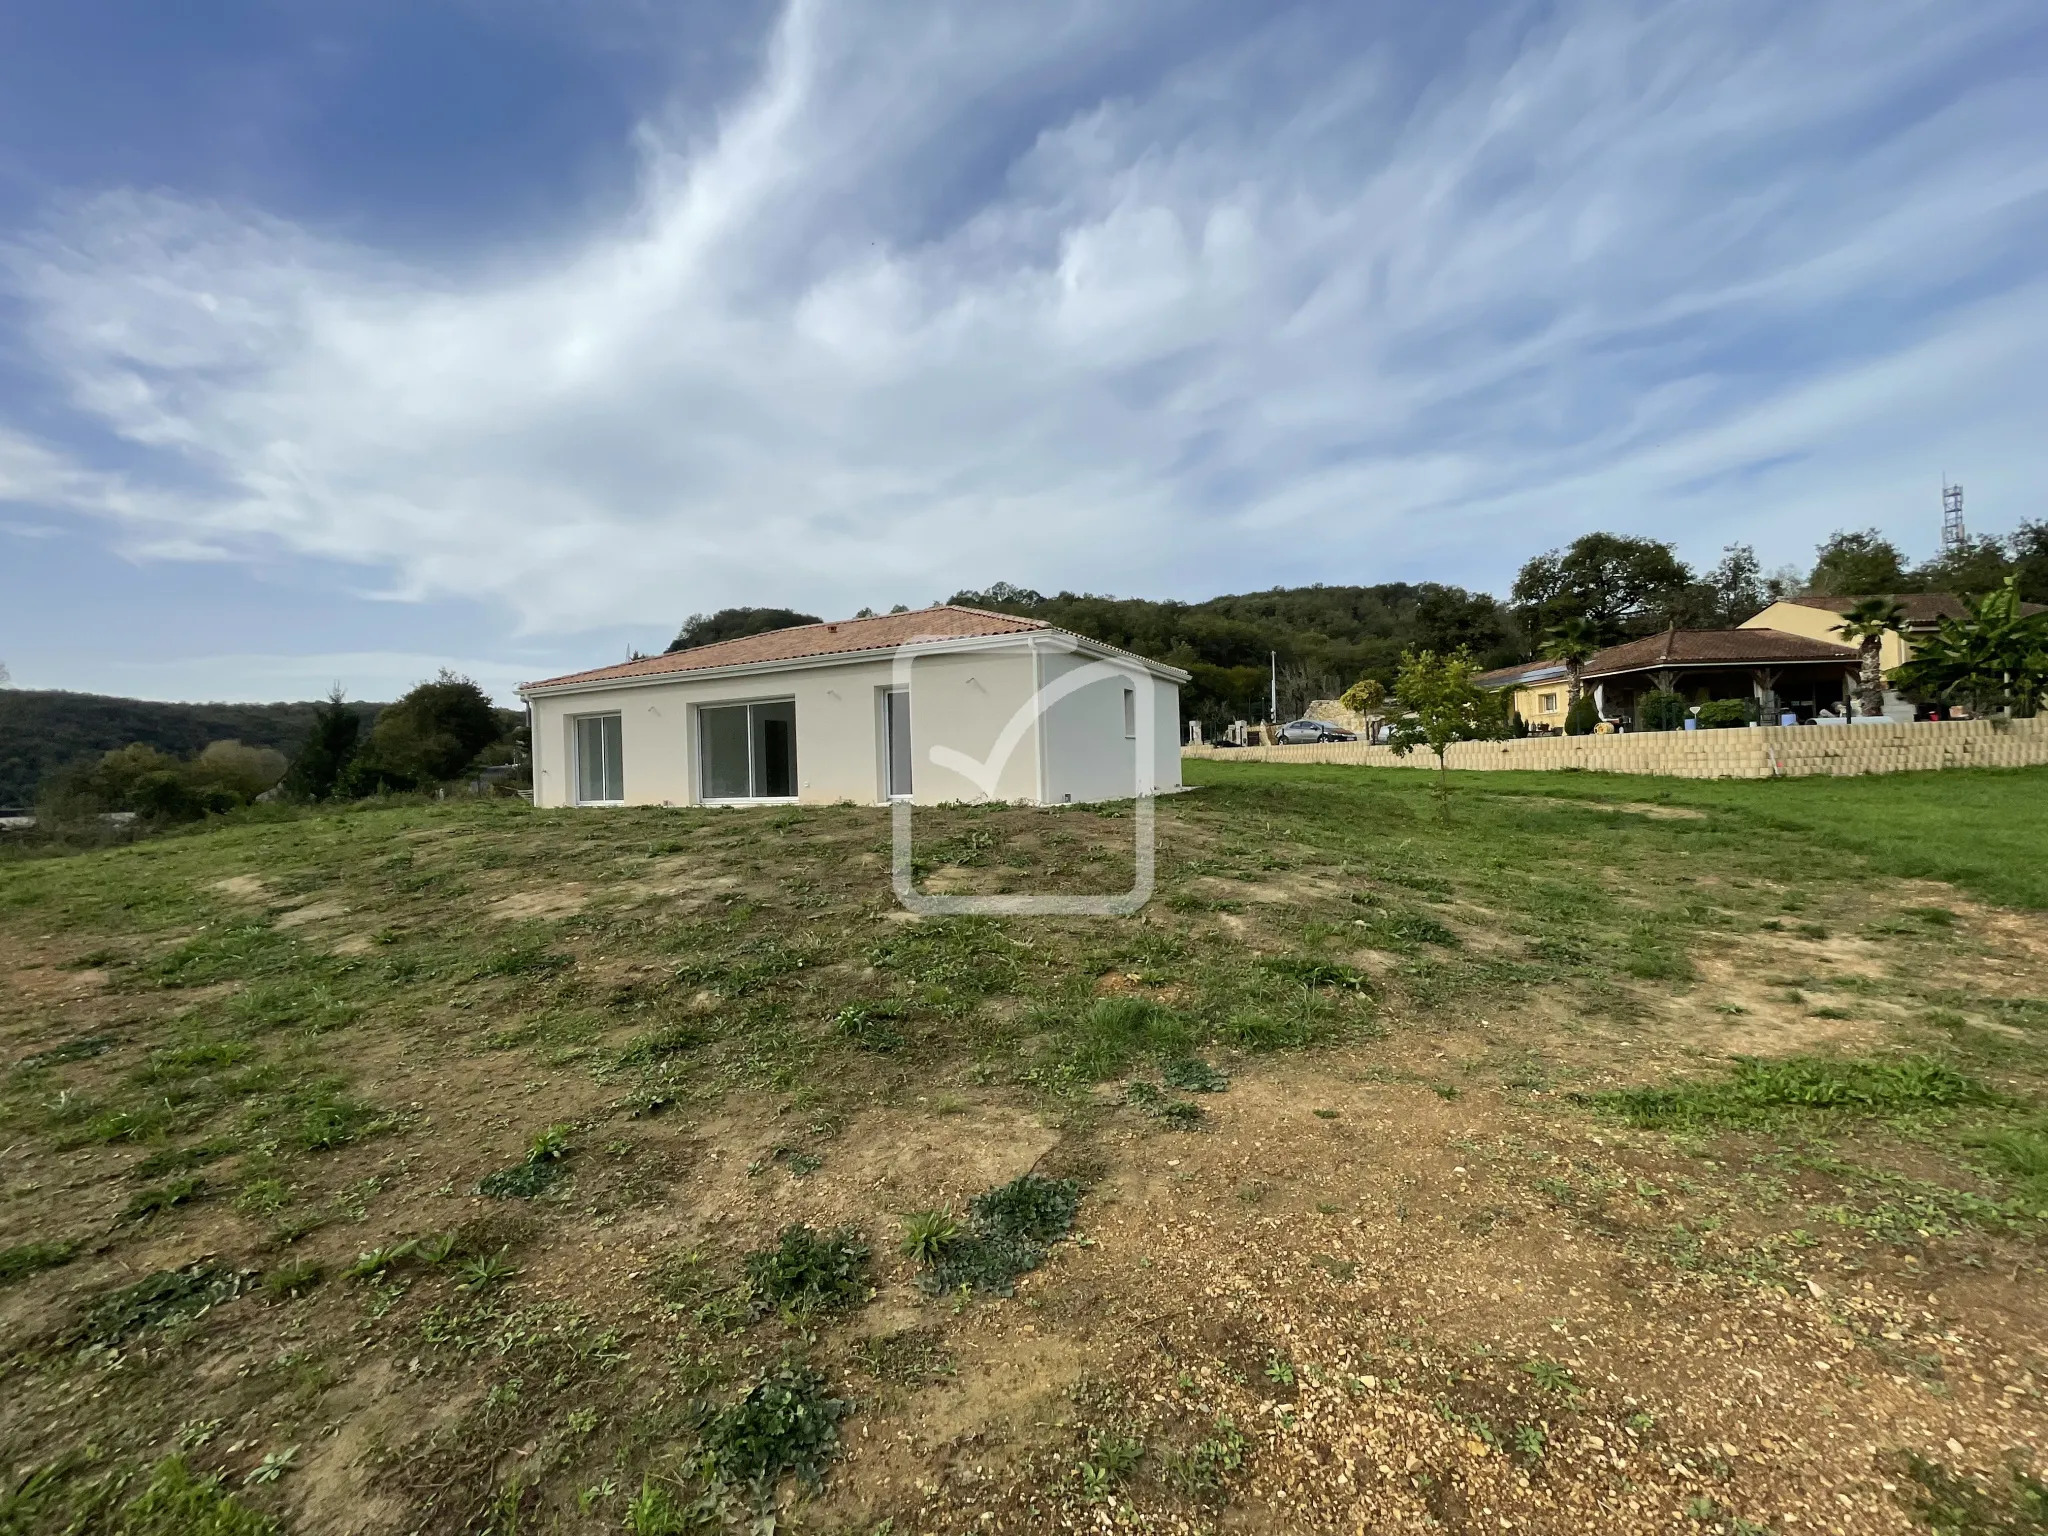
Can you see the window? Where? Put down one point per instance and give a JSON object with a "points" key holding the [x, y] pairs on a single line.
{"points": [[748, 751], [600, 776], [1130, 714], [1547, 704], [896, 743]]}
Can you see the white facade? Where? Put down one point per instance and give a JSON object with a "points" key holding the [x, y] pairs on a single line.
{"points": [[1041, 718]]}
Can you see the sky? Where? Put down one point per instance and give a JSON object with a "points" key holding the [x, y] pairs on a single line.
{"points": [[344, 341]]}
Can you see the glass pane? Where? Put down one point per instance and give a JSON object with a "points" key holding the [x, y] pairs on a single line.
{"points": [[722, 742], [775, 750], [897, 726], [614, 761], [590, 759]]}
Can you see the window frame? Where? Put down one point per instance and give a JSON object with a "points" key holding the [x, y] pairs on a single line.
{"points": [[885, 703], [1130, 713], [704, 797], [576, 724]]}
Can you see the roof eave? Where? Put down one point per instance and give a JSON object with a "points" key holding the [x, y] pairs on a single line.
{"points": [[938, 644]]}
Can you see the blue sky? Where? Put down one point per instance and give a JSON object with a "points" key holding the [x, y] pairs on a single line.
{"points": [[345, 341]]}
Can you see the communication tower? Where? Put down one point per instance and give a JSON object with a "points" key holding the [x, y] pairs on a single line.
{"points": [[1953, 539]]}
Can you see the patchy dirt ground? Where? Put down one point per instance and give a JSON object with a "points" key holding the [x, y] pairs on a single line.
{"points": [[1406, 1271]]}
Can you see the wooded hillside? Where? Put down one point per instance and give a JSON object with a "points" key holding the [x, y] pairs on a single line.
{"points": [[44, 729]]}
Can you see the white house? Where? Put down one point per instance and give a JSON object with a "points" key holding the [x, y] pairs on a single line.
{"points": [[944, 704]]}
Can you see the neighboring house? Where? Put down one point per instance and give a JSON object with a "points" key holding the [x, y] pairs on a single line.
{"points": [[995, 708], [1542, 691], [1819, 618], [1780, 671]]}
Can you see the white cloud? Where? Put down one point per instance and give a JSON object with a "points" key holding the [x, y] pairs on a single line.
{"points": [[1275, 310]]}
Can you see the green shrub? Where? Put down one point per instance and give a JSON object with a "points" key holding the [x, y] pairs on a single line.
{"points": [[1582, 717], [788, 1423], [1010, 1228], [809, 1271], [1661, 712], [1724, 714]]}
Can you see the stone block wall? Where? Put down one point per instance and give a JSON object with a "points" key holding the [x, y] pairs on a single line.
{"points": [[1761, 752]]}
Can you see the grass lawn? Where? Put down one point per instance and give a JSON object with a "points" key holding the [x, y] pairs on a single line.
{"points": [[1606, 1154]]}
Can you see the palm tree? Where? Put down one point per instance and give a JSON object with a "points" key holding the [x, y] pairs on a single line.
{"points": [[1867, 622], [1573, 642]]}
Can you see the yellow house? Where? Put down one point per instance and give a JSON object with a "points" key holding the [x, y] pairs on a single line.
{"points": [[1820, 618], [1541, 691]]}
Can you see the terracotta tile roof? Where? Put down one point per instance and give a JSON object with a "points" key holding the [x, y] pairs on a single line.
{"points": [[884, 632], [1923, 609], [1521, 674], [1715, 647]]}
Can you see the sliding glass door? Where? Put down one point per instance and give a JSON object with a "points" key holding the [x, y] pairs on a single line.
{"points": [[600, 774], [747, 751]]}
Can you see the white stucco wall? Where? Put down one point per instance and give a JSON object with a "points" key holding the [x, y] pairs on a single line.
{"points": [[1087, 755], [959, 701], [972, 702]]}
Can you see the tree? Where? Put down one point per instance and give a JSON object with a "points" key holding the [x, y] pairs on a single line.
{"points": [[1583, 718], [1865, 625], [1975, 567], [244, 772], [1996, 658], [2029, 549], [1856, 564], [1444, 704], [1366, 698], [1618, 584], [734, 624], [1573, 642], [325, 757], [427, 737], [1740, 588]]}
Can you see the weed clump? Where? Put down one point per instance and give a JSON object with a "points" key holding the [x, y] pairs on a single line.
{"points": [[788, 1423], [1010, 1228], [2021, 1153], [1948, 1503], [810, 1271], [1758, 1091], [179, 1503], [1193, 1075], [1319, 974], [1180, 1113], [1112, 1032], [928, 1234], [534, 1174], [26, 1259], [645, 1050], [525, 960], [869, 1026], [161, 1300]]}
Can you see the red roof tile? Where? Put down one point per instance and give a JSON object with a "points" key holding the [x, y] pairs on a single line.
{"points": [[884, 632], [1715, 647]]}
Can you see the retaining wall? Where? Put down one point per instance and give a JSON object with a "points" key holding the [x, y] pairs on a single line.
{"points": [[1763, 752]]}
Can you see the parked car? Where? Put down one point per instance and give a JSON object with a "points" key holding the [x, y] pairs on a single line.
{"points": [[1295, 732]]}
